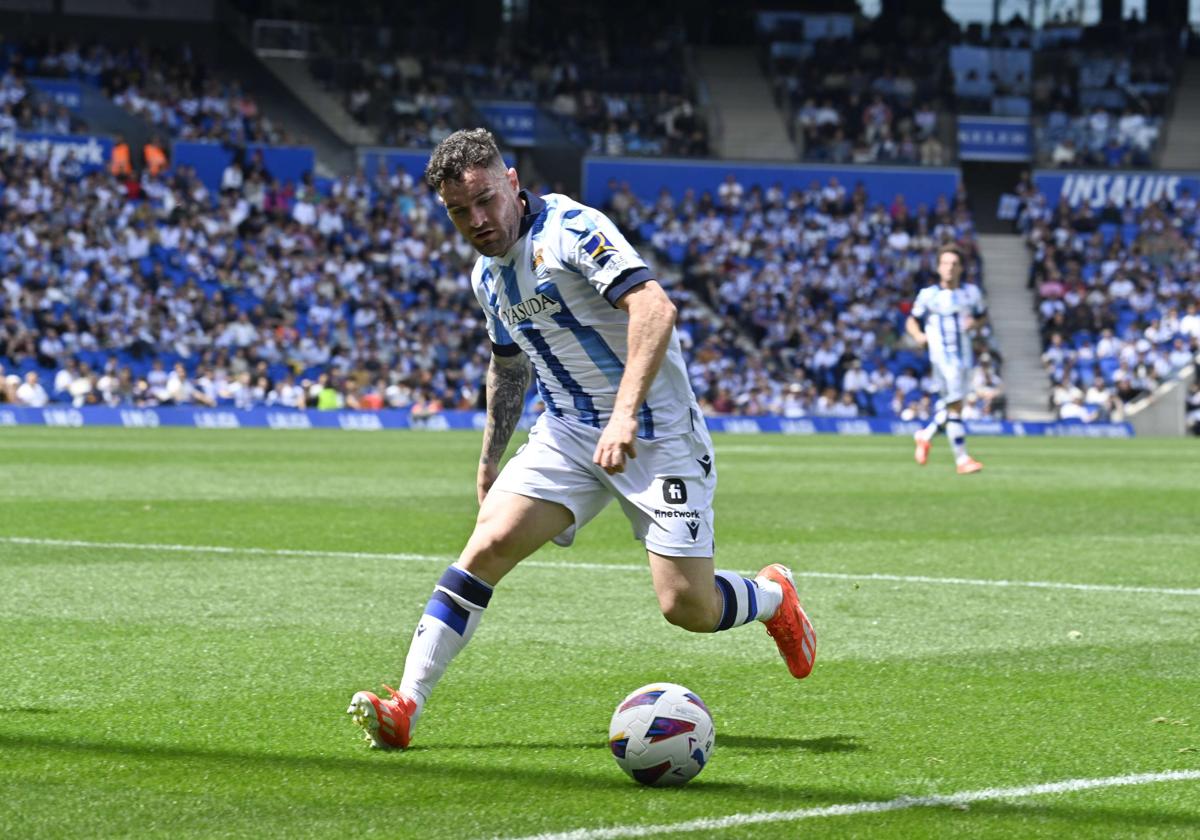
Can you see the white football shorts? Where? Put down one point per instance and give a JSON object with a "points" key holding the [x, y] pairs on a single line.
{"points": [[953, 381], [666, 492]]}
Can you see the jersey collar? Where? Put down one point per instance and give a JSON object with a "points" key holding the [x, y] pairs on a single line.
{"points": [[534, 207]]}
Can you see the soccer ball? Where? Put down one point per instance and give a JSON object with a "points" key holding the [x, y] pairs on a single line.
{"points": [[661, 734]]}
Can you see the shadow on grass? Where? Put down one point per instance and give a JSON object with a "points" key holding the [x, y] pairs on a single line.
{"points": [[825, 744], [437, 764], [26, 710]]}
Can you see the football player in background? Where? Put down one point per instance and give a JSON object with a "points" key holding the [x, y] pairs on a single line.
{"points": [[561, 287], [943, 318]]}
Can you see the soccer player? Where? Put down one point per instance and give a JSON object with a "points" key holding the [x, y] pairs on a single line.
{"points": [[943, 317], [561, 287]]}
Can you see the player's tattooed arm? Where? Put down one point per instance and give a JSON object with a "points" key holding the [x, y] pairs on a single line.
{"points": [[507, 382]]}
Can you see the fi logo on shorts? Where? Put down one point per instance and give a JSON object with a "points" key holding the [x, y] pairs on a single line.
{"points": [[674, 491]]}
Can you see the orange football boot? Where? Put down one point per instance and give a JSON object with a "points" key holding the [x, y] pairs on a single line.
{"points": [[969, 466], [386, 724], [922, 454], [790, 628]]}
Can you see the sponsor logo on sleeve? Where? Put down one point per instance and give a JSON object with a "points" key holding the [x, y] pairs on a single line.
{"points": [[600, 249]]}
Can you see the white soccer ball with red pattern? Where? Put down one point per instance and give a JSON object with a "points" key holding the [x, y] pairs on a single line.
{"points": [[662, 734]]}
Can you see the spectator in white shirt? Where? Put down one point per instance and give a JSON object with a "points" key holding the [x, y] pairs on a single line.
{"points": [[1065, 392], [1180, 354], [1189, 324], [232, 178], [1108, 345], [31, 392], [82, 388], [1076, 410], [795, 404], [845, 407], [287, 393], [65, 376], [304, 212], [178, 390]]}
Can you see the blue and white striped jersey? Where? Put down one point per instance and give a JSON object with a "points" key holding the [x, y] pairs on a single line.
{"points": [[945, 313], [553, 295]]}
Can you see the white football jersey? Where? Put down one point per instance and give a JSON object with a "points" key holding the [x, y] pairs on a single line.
{"points": [[553, 296], [945, 313]]}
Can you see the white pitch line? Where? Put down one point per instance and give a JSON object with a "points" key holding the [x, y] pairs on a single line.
{"points": [[603, 567], [1031, 584], [301, 552], [851, 809], [219, 549]]}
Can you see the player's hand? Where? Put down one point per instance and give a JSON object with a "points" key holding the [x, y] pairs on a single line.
{"points": [[616, 443], [921, 340], [485, 478]]}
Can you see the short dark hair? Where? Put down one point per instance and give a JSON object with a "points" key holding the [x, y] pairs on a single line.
{"points": [[464, 149]]}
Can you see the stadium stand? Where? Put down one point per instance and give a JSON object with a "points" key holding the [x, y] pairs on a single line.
{"points": [[254, 296], [353, 291], [615, 91], [818, 282], [872, 96], [20, 110], [1116, 293], [1100, 93], [169, 88]]}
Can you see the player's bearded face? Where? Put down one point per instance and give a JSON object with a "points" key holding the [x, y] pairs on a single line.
{"points": [[486, 208]]}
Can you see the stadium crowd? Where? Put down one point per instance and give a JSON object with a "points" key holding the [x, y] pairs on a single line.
{"points": [[18, 110], [169, 88], [876, 99], [360, 298], [615, 93], [1118, 296], [1101, 94], [818, 281]]}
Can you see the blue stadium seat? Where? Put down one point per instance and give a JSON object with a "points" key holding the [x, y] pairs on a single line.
{"points": [[1107, 365]]}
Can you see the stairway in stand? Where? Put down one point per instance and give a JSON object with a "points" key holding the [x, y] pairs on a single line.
{"points": [[1011, 309], [750, 126]]}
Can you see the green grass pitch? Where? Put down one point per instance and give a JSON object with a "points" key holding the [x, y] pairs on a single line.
{"points": [[157, 679]]}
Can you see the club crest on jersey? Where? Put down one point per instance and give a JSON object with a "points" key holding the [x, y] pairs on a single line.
{"points": [[543, 304], [540, 269]]}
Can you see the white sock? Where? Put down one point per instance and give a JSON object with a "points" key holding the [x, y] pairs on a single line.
{"points": [[957, 432], [745, 599], [451, 616], [935, 425]]}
